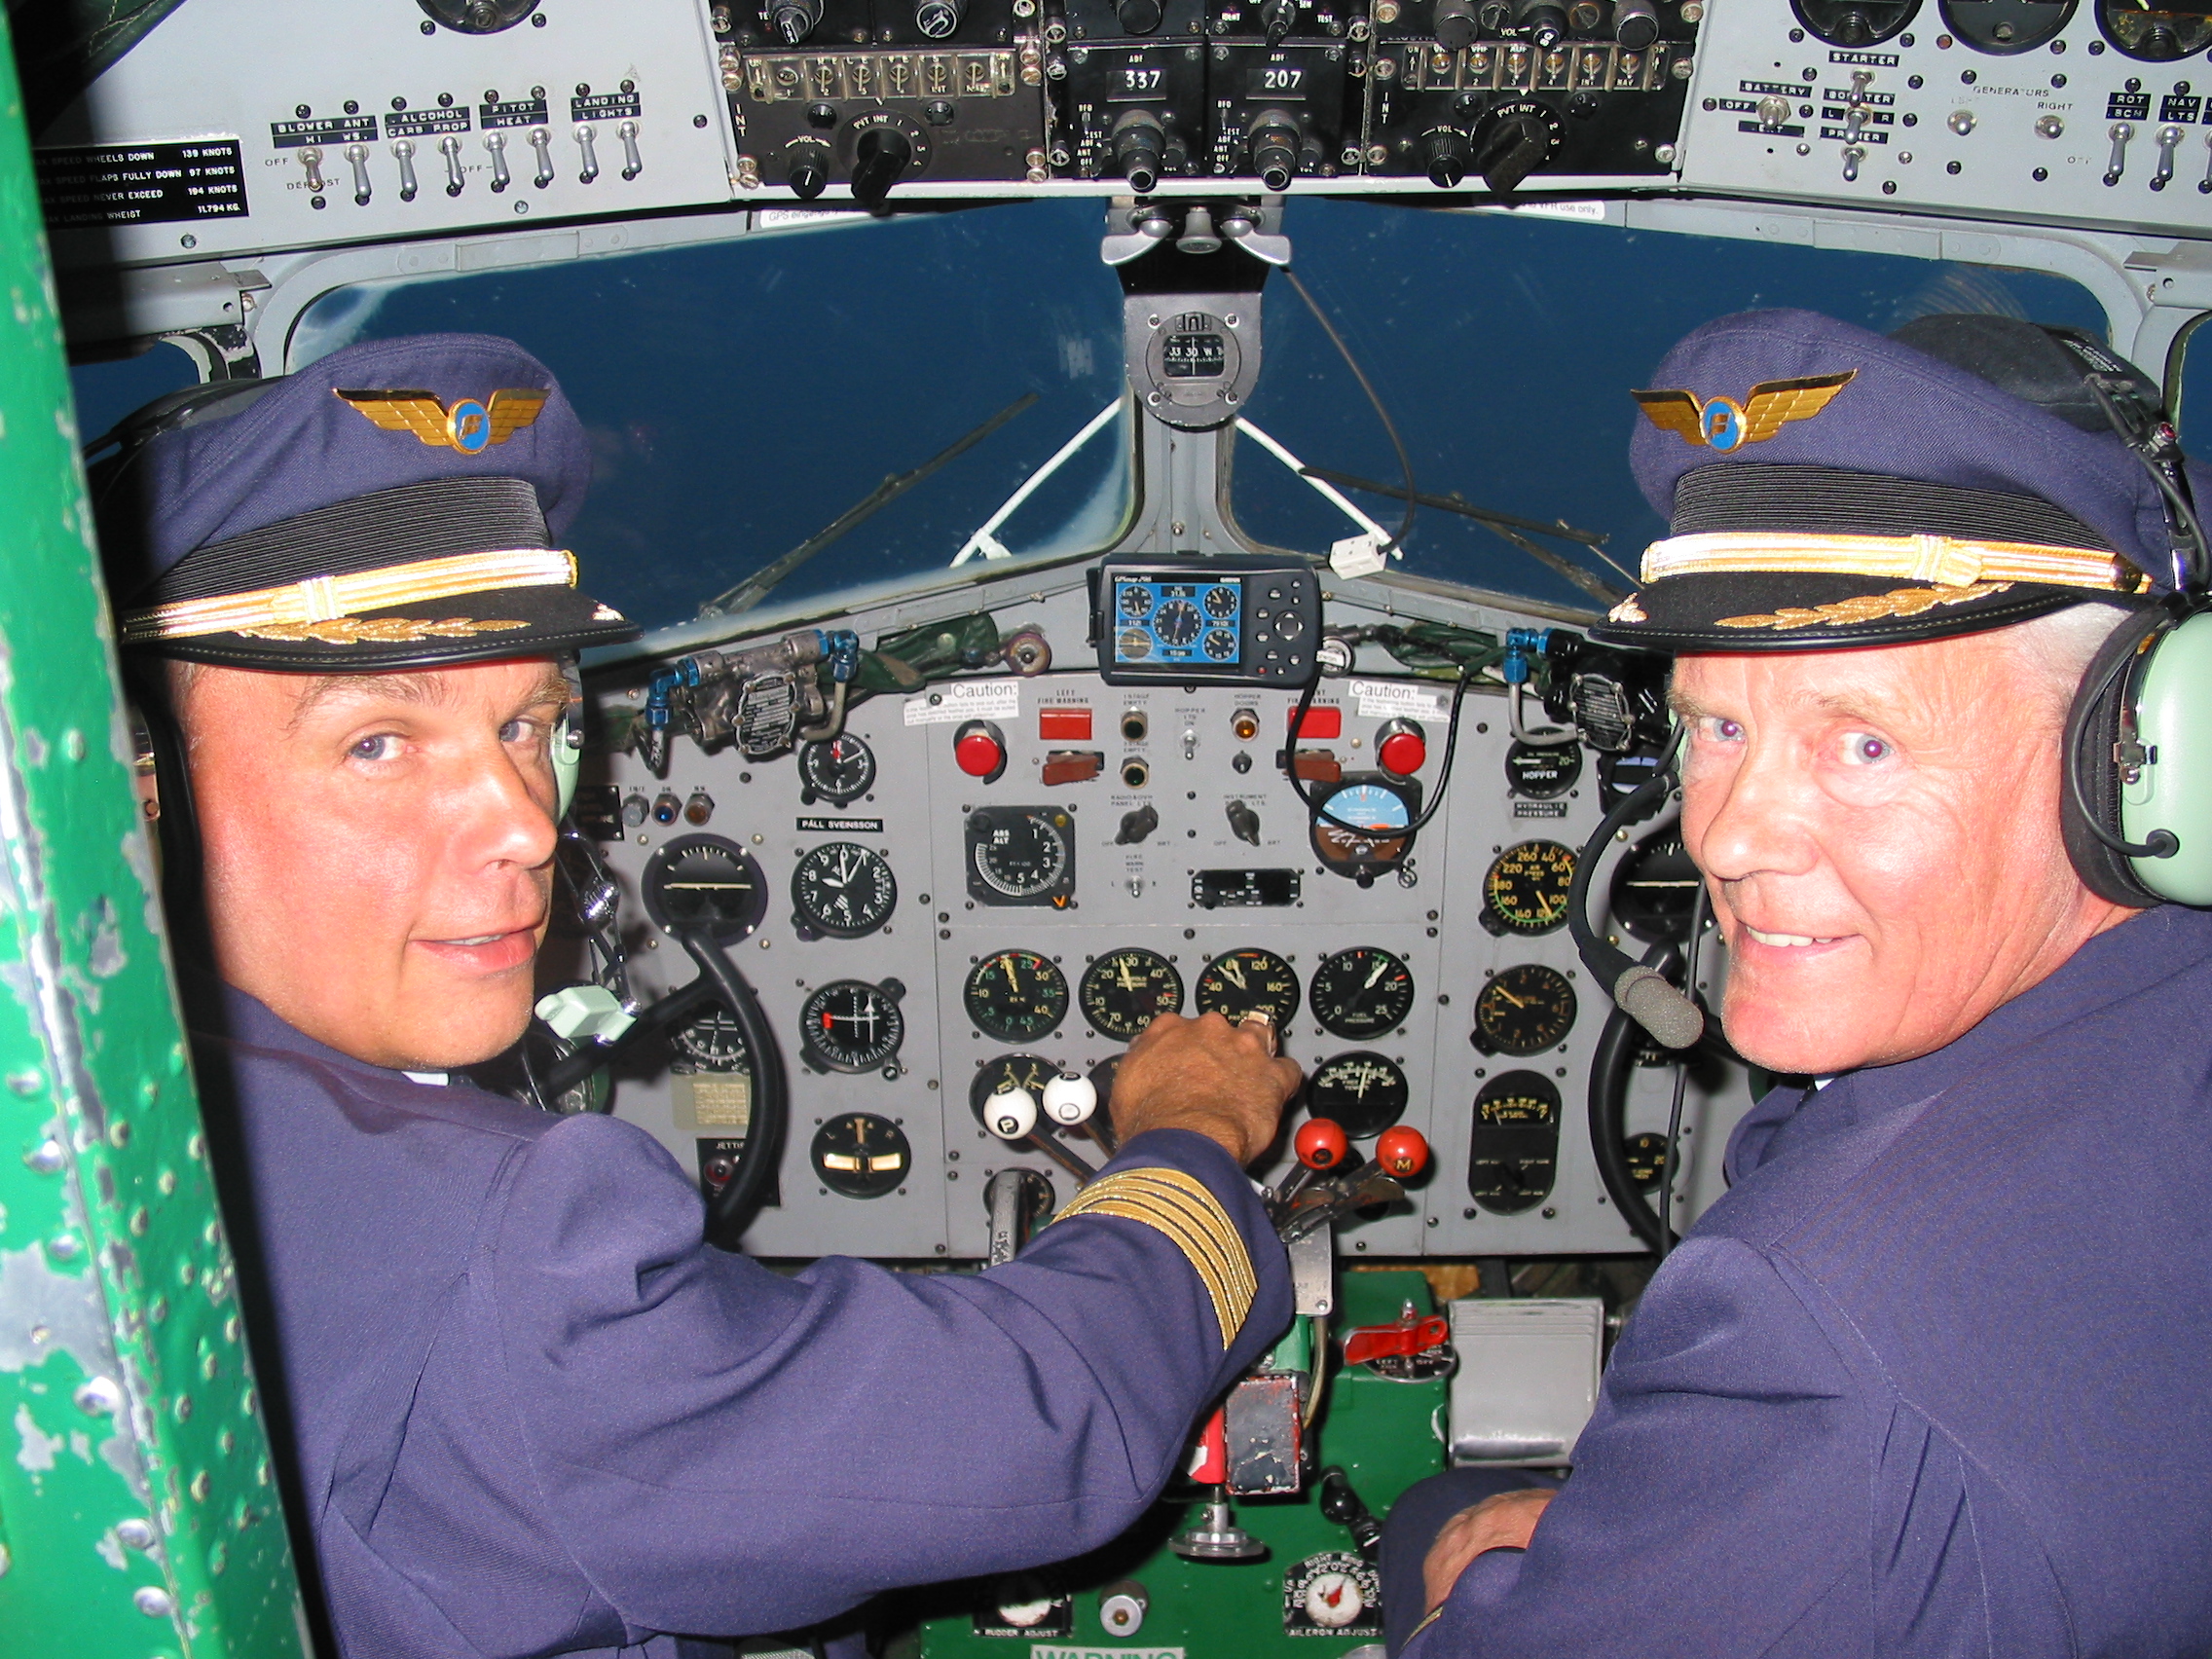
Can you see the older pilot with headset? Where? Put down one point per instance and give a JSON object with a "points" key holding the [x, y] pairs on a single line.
{"points": [[1935, 1376], [527, 1409]]}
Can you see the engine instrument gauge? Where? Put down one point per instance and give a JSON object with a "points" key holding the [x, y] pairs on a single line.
{"points": [[1646, 1155], [1361, 993], [702, 881], [1854, 22], [1382, 808], [1513, 1146], [1364, 1093], [850, 1025], [843, 889], [839, 771], [1336, 1594], [1021, 855], [1524, 890], [2002, 27], [1238, 983], [1543, 773], [1655, 888], [712, 1042], [1123, 991], [1524, 1010], [2155, 34], [861, 1154], [1001, 1072], [1016, 995]]}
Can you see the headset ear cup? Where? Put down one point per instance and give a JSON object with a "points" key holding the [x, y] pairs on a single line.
{"points": [[2092, 728]]}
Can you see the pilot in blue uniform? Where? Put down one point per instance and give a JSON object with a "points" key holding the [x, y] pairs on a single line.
{"points": [[529, 1411], [1935, 1377]]}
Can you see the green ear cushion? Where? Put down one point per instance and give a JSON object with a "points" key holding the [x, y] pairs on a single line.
{"points": [[2092, 726], [568, 761], [2173, 696]]}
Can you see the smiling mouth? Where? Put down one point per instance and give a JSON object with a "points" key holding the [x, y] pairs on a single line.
{"points": [[1786, 941]]}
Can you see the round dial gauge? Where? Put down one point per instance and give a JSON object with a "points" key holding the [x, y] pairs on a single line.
{"points": [[2002, 27], [861, 1154], [712, 1042], [1361, 993], [1524, 890], [1540, 773], [1655, 889], [1176, 622], [1363, 1093], [1524, 1010], [1336, 1594], [1016, 996], [1512, 1151], [702, 881], [838, 770], [2154, 33], [1010, 1071], [1123, 991], [1221, 601], [850, 1025], [1134, 645], [1646, 1158], [1136, 601], [1024, 854], [843, 889], [1239, 982], [1381, 811], [1854, 22], [1221, 644]]}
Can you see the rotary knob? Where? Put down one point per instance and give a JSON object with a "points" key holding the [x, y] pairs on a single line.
{"points": [[880, 159], [1455, 26], [1447, 160], [808, 170]]}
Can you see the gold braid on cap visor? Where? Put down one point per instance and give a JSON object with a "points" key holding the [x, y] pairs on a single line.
{"points": [[320, 603], [1944, 560]]}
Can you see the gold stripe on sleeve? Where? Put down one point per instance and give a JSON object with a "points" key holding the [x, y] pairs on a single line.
{"points": [[1179, 1205]]}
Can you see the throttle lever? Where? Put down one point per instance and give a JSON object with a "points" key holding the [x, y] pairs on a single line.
{"points": [[1325, 1200]]}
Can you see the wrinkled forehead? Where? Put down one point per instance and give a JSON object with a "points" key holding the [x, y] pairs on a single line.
{"points": [[283, 702], [1971, 680]]}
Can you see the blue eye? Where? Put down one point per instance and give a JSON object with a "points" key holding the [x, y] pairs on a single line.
{"points": [[1863, 750], [383, 746]]}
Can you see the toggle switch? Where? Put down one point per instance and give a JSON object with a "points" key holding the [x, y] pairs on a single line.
{"points": [[588, 144], [404, 150], [1244, 822], [358, 155], [541, 144], [2204, 184], [2169, 144], [2051, 127], [632, 162], [497, 143], [1773, 112], [450, 147], [1852, 157], [2122, 132], [311, 161]]}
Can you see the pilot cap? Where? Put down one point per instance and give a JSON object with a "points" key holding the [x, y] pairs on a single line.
{"points": [[397, 504], [1826, 485]]}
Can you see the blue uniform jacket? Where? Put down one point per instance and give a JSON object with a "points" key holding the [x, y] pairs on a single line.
{"points": [[534, 1413], [1935, 1377]]}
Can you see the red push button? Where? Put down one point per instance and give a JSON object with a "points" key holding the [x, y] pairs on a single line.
{"points": [[979, 750], [1402, 747]]}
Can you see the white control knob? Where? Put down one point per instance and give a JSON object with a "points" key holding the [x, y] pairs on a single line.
{"points": [[1011, 1114], [1070, 1099]]}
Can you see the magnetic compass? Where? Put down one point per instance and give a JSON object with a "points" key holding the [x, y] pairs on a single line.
{"points": [[838, 770], [842, 889], [861, 1154], [1239, 982], [1124, 991], [1361, 993], [1016, 996], [702, 881], [850, 1025]]}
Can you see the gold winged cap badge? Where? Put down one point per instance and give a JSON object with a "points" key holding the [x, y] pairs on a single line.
{"points": [[1723, 423], [467, 426]]}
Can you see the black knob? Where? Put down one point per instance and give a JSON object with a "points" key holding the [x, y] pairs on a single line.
{"points": [[1274, 149], [1138, 140], [1636, 23], [1514, 147], [1136, 825], [1244, 822], [808, 171], [1456, 26], [792, 21], [1275, 18], [937, 18], [1544, 21], [1446, 157], [880, 159], [1138, 16]]}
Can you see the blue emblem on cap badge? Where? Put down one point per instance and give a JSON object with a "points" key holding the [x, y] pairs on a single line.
{"points": [[469, 425], [1724, 424]]}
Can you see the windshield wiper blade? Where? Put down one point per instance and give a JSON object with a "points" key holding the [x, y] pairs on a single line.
{"points": [[756, 587], [1506, 524]]}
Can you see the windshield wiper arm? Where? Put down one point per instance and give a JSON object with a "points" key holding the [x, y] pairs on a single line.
{"points": [[756, 587]]}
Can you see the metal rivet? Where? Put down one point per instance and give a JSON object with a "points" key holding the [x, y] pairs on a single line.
{"points": [[153, 1602], [98, 1396], [46, 1157], [135, 1533], [27, 1082]]}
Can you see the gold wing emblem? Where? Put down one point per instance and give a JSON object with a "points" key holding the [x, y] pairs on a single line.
{"points": [[512, 408], [1774, 404], [1674, 410], [417, 412]]}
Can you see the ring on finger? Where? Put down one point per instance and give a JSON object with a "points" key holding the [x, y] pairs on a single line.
{"points": [[1265, 1021]]}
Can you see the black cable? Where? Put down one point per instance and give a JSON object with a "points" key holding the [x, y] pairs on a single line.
{"points": [[1404, 462], [1698, 908], [2159, 843], [730, 1211], [1603, 960], [1612, 1063], [1377, 831]]}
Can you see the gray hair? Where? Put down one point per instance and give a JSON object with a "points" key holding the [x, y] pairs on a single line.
{"points": [[2056, 650]]}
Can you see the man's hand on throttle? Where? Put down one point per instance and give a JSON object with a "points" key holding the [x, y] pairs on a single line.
{"points": [[1219, 1079], [1503, 1522]]}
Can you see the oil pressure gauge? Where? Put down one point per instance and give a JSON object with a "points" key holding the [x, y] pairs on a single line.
{"points": [[850, 1025], [1239, 982], [1524, 890], [1124, 991], [842, 889]]}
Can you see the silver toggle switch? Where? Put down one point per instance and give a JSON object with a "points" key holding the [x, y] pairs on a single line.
{"points": [[2204, 184], [586, 143], [497, 143], [1852, 157], [1861, 80], [1961, 122], [1774, 111], [541, 142], [2120, 133], [450, 147], [633, 163], [2050, 127], [2169, 145], [1854, 124], [311, 161], [358, 155], [404, 149]]}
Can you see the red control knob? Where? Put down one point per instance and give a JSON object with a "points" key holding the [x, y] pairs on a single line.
{"points": [[1402, 1151], [979, 750], [1402, 747], [1321, 1144]]}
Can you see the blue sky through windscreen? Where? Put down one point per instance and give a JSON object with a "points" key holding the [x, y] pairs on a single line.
{"points": [[739, 396]]}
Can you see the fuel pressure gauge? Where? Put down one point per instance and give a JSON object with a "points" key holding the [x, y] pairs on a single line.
{"points": [[1361, 993]]}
